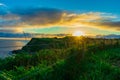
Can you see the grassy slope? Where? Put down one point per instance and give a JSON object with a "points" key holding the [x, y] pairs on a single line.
{"points": [[64, 64], [102, 65], [95, 66]]}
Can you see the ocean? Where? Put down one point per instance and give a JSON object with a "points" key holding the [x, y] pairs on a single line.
{"points": [[9, 44]]}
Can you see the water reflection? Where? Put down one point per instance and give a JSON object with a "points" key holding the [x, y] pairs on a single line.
{"points": [[7, 45]]}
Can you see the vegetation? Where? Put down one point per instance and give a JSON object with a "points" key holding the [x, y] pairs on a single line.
{"points": [[69, 58]]}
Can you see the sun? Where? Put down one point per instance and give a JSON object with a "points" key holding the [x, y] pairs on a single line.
{"points": [[78, 33]]}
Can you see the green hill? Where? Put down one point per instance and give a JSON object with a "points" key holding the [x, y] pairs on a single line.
{"points": [[69, 58]]}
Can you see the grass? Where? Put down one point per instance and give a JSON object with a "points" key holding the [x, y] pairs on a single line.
{"points": [[98, 66], [64, 59]]}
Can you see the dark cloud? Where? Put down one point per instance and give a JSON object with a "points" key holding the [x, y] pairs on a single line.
{"points": [[7, 31], [112, 24], [42, 16], [34, 16], [31, 11], [9, 23]]}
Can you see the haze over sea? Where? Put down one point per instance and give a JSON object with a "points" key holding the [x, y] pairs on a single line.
{"points": [[9, 44]]}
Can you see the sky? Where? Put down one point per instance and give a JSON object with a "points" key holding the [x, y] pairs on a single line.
{"points": [[92, 17]]}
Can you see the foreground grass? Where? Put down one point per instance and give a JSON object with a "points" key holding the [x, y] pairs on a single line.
{"points": [[101, 65], [94, 62]]}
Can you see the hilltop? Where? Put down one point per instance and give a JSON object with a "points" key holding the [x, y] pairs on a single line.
{"points": [[69, 58]]}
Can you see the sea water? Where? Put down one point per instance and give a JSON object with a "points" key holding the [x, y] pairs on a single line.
{"points": [[7, 45]]}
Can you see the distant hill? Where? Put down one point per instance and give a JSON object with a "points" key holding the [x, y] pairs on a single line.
{"points": [[111, 36]]}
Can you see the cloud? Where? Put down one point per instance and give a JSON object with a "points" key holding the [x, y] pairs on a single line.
{"points": [[47, 17], [7, 31], [43, 17], [4, 9], [1, 4], [15, 30], [111, 24]]}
